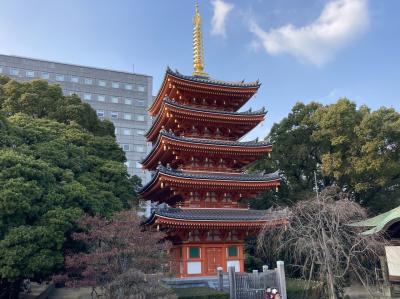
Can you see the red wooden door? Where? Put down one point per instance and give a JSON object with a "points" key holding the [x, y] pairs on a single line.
{"points": [[214, 259]]}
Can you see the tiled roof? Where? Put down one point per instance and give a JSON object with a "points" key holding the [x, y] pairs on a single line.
{"points": [[251, 143], [379, 223], [261, 111], [245, 177], [227, 143], [217, 214], [212, 81], [171, 102], [220, 176]]}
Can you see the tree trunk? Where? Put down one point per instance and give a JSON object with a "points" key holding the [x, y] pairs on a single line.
{"points": [[331, 285]]}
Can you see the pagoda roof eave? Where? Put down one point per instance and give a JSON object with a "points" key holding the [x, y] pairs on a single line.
{"points": [[251, 116], [220, 179], [171, 102], [201, 81], [216, 217], [251, 147], [214, 82]]}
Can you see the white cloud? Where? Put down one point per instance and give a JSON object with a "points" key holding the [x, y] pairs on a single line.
{"points": [[339, 23], [221, 11]]}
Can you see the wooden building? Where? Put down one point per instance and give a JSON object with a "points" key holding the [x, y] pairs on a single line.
{"points": [[197, 162]]}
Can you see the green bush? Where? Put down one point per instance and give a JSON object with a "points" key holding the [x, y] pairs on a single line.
{"points": [[200, 293], [296, 289]]}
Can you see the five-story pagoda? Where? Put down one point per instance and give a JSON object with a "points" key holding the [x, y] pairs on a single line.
{"points": [[198, 168]]}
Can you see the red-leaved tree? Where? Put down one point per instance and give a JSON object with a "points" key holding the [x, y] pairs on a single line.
{"points": [[122, 258]]}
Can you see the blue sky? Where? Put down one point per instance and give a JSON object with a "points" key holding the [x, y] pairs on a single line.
{"points": [[300, 50]]}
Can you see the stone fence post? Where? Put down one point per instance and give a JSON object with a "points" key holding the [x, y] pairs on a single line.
{"points": [[220, 275], [232, 282], [280, 272]]}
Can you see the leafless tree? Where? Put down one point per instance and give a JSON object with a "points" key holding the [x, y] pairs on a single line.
{"points": [[318, 241], [123, 259]]}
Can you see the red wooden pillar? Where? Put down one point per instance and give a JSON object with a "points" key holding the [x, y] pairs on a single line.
{"points": [[184, 261], [203, 259], [241, 256]]}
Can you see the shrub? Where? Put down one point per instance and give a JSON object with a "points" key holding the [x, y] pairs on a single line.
{"points": [[297, 289], [200, 293]]}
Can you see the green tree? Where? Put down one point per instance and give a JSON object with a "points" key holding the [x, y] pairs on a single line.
{"points": [[52, 171], [40, 99], [295, 154], [361, 151], [354, 148]]}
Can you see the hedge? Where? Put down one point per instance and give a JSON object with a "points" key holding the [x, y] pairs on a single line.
{"points": [[200, 293]]}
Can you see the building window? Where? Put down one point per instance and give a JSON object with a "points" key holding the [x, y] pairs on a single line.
{"points": [[14, 72], [128, 86], [128, 102], [140, 103], [87, 96], [115, 85], [102, 83], [101, 98], [139, 148], [45, 75], [138, 165], [1, 69], [114, 100], [30, 74], [127, 116], [141, 88], [114, 114], [74, 79], [140, 117], [140, 132], [127, 132], [126, 147], [232, 251], [88, 81], [59, 77], [100, 113], [194, 252]]}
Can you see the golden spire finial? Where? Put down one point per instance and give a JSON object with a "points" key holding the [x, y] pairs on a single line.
{"points": [[198, 54]]}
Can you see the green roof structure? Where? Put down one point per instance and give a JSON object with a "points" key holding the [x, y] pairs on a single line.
{"points": [[379, 223]]}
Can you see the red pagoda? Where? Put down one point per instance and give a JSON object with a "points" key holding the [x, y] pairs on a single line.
{"points": [[197, 162]]}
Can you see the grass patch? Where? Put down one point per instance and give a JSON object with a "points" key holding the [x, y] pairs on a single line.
{"points": [[200, 293]]}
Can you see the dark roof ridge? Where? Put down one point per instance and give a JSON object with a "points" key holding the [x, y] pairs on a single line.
{"points": [[241, 176], [251, 143], [208, 80], [261, 111], [233, 215], [254, 143]]}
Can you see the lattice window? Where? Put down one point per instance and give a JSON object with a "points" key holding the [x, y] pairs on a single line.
{"points": [[227, 197], [194, 196], [208, 163], [211, 197], [222, 163], [195, 162]]}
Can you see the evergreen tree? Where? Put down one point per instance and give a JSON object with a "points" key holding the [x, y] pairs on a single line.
{"points": [[57, 162]]}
